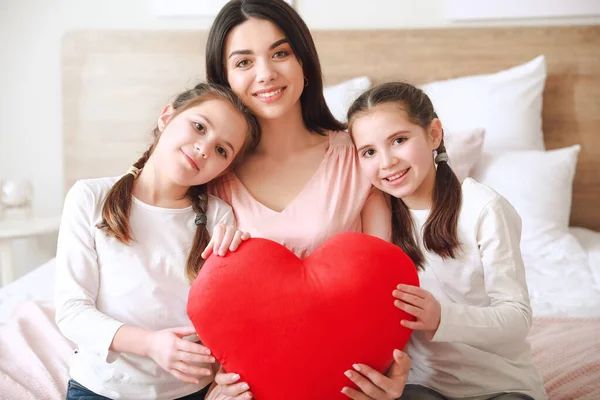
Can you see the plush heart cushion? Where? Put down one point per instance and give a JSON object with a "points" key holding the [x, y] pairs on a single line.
{"points": [[291, 327]]}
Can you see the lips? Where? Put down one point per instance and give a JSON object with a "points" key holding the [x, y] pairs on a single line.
{"points": [[190, 160], [270, 95], [396, 176]]}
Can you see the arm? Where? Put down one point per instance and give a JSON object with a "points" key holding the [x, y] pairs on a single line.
{"points": [[77, 286], [78, 280], [508, 317], [376, 216]]}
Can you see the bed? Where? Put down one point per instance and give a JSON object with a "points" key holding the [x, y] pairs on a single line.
{"points": [[115, 81]]}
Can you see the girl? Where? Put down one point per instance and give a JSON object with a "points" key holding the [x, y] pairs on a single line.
{"points": [[129, 246], [472, 309], [301, 184]]}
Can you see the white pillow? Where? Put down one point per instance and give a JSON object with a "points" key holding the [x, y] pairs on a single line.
{"points": [[339, 97], [539, 184], [464, 149], [507, 104]]}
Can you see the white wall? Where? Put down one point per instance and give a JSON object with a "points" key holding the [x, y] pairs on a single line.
{"points": [[30, 88]]}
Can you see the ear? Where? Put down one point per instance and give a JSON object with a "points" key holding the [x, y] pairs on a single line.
{"points": [[436, 133], [165, 116]]}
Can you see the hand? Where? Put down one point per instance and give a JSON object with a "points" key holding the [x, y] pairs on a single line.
{"points": [[422, 305], [224, 237], [376, 386], [176, 355], [228, 388]]}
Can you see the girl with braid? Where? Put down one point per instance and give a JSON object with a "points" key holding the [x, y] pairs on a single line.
{"points": [[472, 309], [129, 247]]}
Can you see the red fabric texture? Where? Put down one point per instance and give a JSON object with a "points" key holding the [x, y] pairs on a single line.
{"points": [[291, 327]]}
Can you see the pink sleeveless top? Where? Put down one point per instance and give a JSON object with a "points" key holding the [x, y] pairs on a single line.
{"points": [[330, 203]]}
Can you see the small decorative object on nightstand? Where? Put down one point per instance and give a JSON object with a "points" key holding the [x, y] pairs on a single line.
{"points": [[17, 195], [14, 227]]}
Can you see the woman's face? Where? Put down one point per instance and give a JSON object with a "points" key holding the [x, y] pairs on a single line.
{"points": [[262, 69]]}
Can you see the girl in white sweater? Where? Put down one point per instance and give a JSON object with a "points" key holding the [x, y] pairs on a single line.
{"points": [[129, 247], [472, 310]]}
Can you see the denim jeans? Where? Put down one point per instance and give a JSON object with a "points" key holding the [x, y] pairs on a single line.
{"points": [[76, 391]]}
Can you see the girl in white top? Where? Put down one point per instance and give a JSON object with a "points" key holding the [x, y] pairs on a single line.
{"points": [[129, 247], [472, 310]]}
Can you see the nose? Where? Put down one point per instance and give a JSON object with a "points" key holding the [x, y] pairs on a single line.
{"points": [[388, 160], [265, 71], [201, 149]]}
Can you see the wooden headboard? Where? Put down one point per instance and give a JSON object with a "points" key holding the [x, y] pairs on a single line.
{"points": [[116, 82]]}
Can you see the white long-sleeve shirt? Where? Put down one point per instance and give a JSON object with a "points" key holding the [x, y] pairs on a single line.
{"points": [[102, 284], [480, 346]]}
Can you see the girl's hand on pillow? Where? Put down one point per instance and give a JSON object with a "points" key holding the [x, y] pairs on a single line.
{"points": [[228, 388], [422, 305], [376, 386], [224, 237], [177, 355]]}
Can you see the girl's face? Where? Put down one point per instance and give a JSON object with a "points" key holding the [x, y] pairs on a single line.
{"points": [[397, 155], [198, 144], [262, 69]]}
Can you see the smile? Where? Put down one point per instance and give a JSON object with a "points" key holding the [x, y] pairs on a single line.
{"points": [[397, 176], [270, 95], [190, 161]]}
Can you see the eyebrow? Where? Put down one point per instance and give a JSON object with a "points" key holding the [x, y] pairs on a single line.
{"points": [[212, 126], [388, 138], [271, 47]]}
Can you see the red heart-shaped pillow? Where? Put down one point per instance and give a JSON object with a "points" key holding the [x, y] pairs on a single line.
{"points": [[291, 327]]}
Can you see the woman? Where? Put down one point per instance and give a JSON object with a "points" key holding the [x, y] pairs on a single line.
{"points": [[301, 184]]}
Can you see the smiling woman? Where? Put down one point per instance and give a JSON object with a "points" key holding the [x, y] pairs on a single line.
{"points": [[295, 186]]}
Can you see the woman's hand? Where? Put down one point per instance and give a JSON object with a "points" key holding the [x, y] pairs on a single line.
{"points": [[228, 388], [422, 305], [177, 355], [224, 237], [376, 386]]}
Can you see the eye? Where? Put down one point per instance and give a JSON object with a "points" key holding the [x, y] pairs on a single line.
{"points": [[199, 127], [222, 152], [399, 140], [242, 63], [281, 54], [368, 153]]}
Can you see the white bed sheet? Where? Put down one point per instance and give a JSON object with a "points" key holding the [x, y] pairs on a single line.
{"points": [[566, 284]]}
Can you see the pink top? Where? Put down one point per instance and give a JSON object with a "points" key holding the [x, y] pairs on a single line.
{"points": [[330, 203]]}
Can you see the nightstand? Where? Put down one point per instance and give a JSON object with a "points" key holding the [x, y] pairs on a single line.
{"points": [[11, 228]]}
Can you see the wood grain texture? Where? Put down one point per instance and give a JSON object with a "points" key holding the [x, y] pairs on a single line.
{"points": [[116, 82]]}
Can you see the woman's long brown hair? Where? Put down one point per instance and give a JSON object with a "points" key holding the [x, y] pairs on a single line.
{"points": [[315, 113], [117, 206], [440, 232]]}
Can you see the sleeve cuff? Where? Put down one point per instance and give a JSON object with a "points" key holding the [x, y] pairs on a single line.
{"points": [[443, 331], [107, 334]]}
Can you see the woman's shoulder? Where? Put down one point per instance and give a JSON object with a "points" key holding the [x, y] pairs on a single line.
{"points": [[221, 186], [340, 139]]}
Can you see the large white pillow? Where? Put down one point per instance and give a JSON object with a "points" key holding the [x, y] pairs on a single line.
{"points": [[339, 97], [507, 104], [464, 149], [539, 184]]}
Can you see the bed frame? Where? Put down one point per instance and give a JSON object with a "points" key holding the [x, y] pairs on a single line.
{"points": [[115, 81]]}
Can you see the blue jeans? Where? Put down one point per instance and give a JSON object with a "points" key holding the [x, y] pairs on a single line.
{"points": [[76, 391], [418, 392]]}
